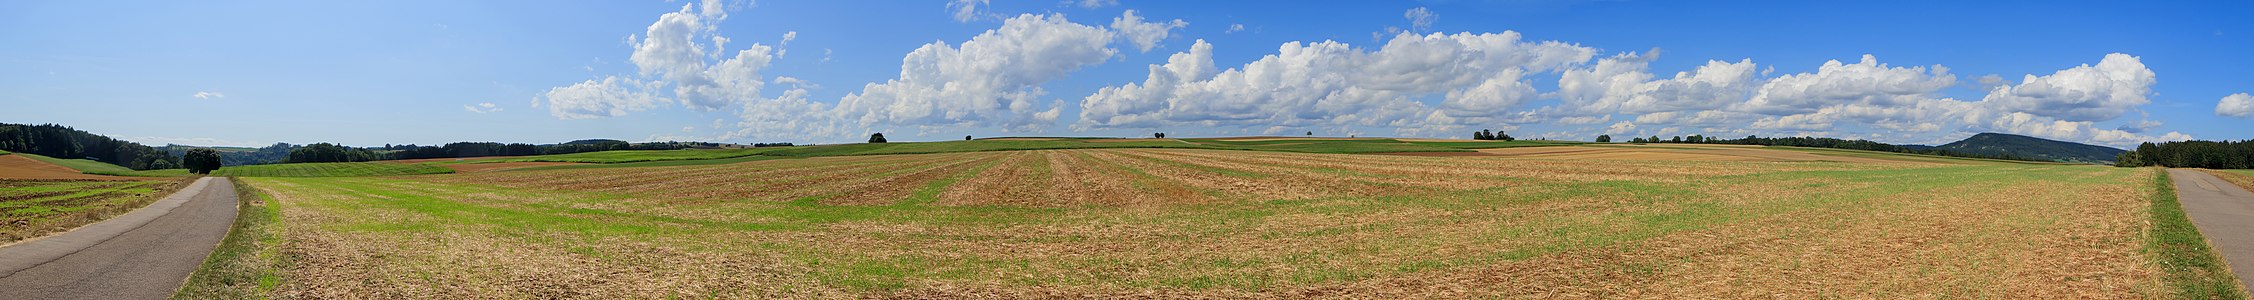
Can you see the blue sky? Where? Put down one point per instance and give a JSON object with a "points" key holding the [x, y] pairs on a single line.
{"points": [[253, 73]]}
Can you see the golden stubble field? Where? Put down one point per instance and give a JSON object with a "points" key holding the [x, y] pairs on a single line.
{"points": [[1228, 224]]}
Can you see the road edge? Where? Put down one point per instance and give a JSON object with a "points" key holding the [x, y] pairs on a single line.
{"points": [[2192, 267], [94, 234]]}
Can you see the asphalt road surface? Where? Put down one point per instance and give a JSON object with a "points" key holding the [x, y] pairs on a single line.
{"points": [[143, 254], [2224, 213]]}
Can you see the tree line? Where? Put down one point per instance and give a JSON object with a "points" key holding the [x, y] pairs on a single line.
{"points": [[1491, 135], [2191, 154], [64, 142]]}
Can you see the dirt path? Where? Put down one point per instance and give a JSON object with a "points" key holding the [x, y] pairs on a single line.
{"points": [[144, 254], [2224, 212]]}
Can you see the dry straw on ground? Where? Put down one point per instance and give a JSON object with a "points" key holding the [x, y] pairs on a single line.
{"points": [[1186, 223]]}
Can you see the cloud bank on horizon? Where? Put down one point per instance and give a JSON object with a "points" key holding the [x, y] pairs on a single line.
{"points": [[1412, 83]]}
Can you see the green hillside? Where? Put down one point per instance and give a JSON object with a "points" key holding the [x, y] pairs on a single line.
{"points": [[82, 165], [2020, 146]]}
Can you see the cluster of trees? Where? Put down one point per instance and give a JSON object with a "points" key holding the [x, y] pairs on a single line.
{"points": [[761, 145], [1700, 139], [2191, 154], [64, 142], [201, 160], [1604, 138], [876, 138], [1817, 142], [326, 152], [1490, 135], [1159, 135]]}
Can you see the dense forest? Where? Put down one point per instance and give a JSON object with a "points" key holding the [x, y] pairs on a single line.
{"points": [[2191, 154], [1816, 142], [64, 142]]}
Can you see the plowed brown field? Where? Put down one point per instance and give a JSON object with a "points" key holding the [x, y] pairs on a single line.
{"points": [[20, 167]]}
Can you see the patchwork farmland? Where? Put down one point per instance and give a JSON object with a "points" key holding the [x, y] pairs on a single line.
{"points": [[1693, 222]]}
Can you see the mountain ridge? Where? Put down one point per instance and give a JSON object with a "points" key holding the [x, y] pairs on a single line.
{"points": [[2020, 146]]}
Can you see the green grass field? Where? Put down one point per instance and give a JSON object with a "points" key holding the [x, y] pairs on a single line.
{"points": [[627, 156], [53, 206], [1201, 223], [330, 170]]}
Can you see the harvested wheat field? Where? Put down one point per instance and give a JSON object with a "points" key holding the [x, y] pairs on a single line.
{"points": [[1228, 224]]}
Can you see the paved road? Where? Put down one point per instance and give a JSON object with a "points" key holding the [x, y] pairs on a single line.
{"points": [[2224, 213], [143, 254]]}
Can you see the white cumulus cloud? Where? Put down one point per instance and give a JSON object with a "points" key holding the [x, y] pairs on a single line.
{"points": [[992, 79], [1145, 35], [2118, 83], [613, 96], [2236, 105], [1333, 84], [208, 95], [682, 49]]}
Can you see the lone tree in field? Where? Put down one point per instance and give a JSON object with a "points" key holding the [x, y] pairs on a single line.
{"points": [[1159, 135], [200, 161], [966, 137], [1604, 138], [876, 138], [1310, 133]]}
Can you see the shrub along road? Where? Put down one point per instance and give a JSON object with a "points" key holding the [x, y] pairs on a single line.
{"points": [[2224, 212], [144, 254]]}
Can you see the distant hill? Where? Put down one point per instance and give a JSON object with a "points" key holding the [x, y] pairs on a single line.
{"points": [[2020, 146]]}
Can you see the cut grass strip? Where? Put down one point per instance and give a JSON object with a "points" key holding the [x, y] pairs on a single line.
{"points": [[2192, 268], [343, 169], [248, 263]]}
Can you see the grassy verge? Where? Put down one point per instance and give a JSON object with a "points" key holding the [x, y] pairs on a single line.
{"points": [[331, 170], [247, 264], [2191, 269]]}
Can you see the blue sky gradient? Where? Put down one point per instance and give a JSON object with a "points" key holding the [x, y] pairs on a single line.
{"points": [[247, 73]]}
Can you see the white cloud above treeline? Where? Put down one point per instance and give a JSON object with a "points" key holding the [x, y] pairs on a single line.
{"points": [[1411, 82], [2236, 105]]}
